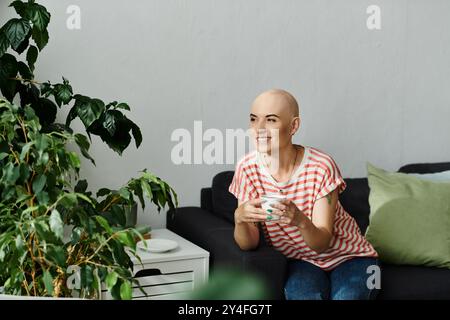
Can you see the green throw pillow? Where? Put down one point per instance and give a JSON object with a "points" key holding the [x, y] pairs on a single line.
{"points": [[409, 219]]}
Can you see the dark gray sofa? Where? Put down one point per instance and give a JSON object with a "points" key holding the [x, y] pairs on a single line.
{"points": [[211, 227]]}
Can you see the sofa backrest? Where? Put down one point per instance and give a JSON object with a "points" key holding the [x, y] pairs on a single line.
{"points": [[355, 198], [223, 202], [425, 167]]}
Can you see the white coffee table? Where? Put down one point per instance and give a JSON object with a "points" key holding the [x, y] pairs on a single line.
{"points": [[172, 274]]}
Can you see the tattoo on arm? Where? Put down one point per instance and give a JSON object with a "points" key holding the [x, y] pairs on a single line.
{"points": [[328, 196]]}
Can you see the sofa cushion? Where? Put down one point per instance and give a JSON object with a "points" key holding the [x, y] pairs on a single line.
{"points": [[409, 219], [224, 203]]}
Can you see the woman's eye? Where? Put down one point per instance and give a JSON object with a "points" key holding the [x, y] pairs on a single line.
{"points": [[252, 119], [271, 120]]}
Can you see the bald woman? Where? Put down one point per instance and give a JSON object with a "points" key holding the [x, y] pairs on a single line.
{"points": [[328, 257]]}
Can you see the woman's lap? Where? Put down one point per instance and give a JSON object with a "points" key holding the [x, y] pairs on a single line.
{"points": [[348, 281]]}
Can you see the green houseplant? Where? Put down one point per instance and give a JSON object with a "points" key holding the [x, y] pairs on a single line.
{"points": [[42, 195]]}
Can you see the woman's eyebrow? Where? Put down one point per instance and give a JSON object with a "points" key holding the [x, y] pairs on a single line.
{"points": [[269, 115]]}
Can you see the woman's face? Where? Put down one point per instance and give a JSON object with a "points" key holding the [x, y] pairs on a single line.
{"points": [[271, 122]]}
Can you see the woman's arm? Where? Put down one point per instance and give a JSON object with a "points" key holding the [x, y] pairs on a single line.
{"points": [[317, 232], [246, 232]]}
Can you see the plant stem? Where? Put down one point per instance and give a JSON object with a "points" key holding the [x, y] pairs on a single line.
{"points": [[114, 199], [26, 80], [97, 251], [14, 154], [25, 136]]}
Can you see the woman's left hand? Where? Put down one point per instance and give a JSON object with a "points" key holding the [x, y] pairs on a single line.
{"points": [[290, 214]]}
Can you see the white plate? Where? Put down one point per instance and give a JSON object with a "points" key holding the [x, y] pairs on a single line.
{"points": [[157, 245]]}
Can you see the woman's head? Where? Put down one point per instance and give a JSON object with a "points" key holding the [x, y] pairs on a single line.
{"points": [[274, 119]]}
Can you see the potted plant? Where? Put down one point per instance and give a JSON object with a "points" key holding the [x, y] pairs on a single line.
{"points": [[41, 191]]}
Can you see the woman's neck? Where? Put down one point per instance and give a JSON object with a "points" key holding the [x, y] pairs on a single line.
{"points": [[286, 156]]}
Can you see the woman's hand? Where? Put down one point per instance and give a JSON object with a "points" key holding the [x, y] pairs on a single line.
{"points": [[250, 212], [290, 214]]}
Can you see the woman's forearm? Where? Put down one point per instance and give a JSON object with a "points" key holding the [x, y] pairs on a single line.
{"points": [[318, 239], [246, 235]]}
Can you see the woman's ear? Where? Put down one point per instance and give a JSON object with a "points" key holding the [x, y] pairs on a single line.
{"points": [[295, 125]]}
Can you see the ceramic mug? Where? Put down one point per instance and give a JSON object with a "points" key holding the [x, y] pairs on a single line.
{"points": [[268, 201]]}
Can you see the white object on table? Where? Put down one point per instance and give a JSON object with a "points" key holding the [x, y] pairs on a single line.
{"points": [[172, 274], [157, 245]]}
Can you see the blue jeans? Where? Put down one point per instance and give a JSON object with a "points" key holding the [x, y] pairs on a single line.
{"points": [[348, 281]]}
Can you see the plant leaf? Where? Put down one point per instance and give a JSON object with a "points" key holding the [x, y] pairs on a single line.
{"points": [[24, 71], [32, 55], [3, 155], [41, 16], [16, 31], [48, 282], [8, 70], [39, 183], [46, 110], [88, 109], [102, 221], [103, 192], [109, 123], [19, 6], [56, 254], [81, 186], [25, 150], [136, 134], [84, 145], [123, 106], [24, 44], [86, 276], [125, 291], [40, 37], [74, 160], [111, 280], [63, 93], [124, 193], [4, 42], [56, 224], [125, 238], [43, 197]]}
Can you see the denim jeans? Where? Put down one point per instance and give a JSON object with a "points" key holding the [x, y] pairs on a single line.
{"points": [[348, 281]]}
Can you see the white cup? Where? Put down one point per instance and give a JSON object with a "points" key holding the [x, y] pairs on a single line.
{"points": [[268, 201]]}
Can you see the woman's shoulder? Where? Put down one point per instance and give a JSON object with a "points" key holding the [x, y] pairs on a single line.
{"points": [[319, 157], [247, 160]]}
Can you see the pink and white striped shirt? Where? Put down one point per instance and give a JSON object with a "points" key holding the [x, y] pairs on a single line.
{"points": [[316, 176]]}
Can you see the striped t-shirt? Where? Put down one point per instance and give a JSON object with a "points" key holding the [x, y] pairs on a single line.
{"points": [[316, 176]]}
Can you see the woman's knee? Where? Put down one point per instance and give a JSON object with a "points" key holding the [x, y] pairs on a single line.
{"points": [[307, 282], [306, 294]]}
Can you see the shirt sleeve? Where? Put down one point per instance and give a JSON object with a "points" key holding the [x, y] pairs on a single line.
{"points": [[331, 180], [241, 186]]}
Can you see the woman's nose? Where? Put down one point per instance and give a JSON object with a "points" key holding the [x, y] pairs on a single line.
{"points": [[260, 125]]}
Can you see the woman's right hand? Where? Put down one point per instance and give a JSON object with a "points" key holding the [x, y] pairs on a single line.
{"points": [[250, 212]]}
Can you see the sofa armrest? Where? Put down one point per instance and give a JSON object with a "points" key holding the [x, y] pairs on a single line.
{"points": [[270, 265], [194, 224], [216, 235]]}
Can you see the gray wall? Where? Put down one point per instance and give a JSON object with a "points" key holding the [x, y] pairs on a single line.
{"points": [[380, 96]]}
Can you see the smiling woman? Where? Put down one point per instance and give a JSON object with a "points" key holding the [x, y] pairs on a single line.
{"points": [[327, 253]]}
